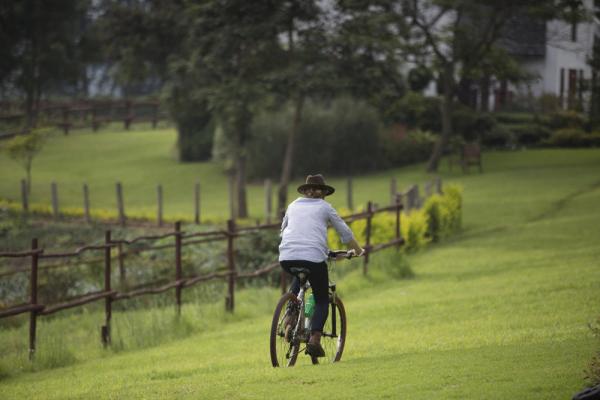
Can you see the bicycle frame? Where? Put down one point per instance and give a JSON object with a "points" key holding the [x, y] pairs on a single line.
{"points": [[299, 328], [290, 329]]}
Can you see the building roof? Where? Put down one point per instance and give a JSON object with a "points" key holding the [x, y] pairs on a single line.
{"points": [[524, 36]]}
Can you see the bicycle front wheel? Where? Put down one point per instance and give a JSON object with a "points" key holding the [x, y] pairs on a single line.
{"points": [[333, 338], [284, 344]]}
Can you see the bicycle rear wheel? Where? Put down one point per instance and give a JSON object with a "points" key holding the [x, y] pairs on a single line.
{"points": [[284, 347], [333, 338]]}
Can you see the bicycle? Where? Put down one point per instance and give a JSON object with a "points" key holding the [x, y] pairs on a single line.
{"points": [[290, 328]]}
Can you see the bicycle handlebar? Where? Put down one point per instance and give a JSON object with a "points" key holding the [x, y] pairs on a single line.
{"points": [[348, 254]]}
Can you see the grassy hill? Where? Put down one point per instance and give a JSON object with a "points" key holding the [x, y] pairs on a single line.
{"points": [[142, 159], [499, 311]]}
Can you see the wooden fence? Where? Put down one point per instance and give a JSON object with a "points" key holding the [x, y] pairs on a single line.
{"points": [[83, 114], [411, 198], [109, 295], [407, 200]]}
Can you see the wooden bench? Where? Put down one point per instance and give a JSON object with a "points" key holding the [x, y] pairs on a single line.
{"points": [[471, 155], [468, 154]]}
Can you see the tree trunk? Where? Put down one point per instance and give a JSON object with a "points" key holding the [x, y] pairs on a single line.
{"points": [[28, 172], [485, 93], [440, 144], [288, 159], [240, 179], [464, 92]]}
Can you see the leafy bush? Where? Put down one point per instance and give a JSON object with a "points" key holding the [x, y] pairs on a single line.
{"points": [[416, 146], [470, 124], [327, 140], [572, 137], [499, 136], [439, 218], [444, 213], [567, 119], [530, 134], [549, 102], [521, 118], [414, 227], [256, 251], [419, 77], [417, 112]]}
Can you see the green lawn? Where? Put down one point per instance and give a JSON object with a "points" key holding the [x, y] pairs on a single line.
{"points": [[142, 159], [499, 311]]}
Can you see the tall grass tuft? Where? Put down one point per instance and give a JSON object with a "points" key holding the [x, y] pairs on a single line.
{"points": [[593, 370]]}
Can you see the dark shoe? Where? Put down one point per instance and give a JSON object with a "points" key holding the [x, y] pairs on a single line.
{"points": [[315, 350]]}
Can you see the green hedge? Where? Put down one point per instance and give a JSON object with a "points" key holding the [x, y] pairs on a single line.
{"points": [[573, 137], [415, 146], [567, 119], [499, 136], [343, 137], [530, 134], [444, 213], [439, 218]]}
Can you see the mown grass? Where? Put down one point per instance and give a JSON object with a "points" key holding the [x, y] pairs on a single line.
{"points": [[499, 311], [142, 159]]}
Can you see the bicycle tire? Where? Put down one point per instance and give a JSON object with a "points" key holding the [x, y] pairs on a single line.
{"points": [[334, 346], [283, 352]]}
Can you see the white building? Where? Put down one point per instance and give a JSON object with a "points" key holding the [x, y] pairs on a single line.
{"points": [[555, 54]]}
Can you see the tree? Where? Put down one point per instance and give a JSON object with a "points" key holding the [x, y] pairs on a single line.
{"points": [[41, 47], [24, 148], [141, 38], [304, 72], [232, 46], [458, 37], [145, 41], [369, 49]]}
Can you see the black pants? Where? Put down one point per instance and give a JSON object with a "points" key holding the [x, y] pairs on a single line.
{"points": [[319, 281]]}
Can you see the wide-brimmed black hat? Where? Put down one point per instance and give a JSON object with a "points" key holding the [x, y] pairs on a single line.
{"points": [[316, 182]]}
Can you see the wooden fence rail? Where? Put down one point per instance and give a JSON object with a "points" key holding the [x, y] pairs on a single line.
{"points": [[411, 198], [83, 114], [180, 239]]}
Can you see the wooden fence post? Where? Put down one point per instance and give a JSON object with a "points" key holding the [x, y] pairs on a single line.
{"points": [[33, 298], [398, 209], [417, 197], [178, 272], [120, 204], [155, 115], [95, 123], [86, 203], [159, 216], [268, 200], [66, 123], [54, 193], [105, 331], [349, 193], [412, 197], [197, 203], [128, 114], [393, 190], [368, 236], [428, 189], [229, 301], [122, 271], [24, 195], [231, 196]]}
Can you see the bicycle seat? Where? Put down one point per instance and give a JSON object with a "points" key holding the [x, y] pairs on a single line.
{"points": [[299, 270]]}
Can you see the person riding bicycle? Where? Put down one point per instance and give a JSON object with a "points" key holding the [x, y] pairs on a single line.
{"points": [[304, 245]]}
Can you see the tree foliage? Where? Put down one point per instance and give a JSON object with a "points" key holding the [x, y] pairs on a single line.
{"points": [[24, 148], [44, 46]]}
